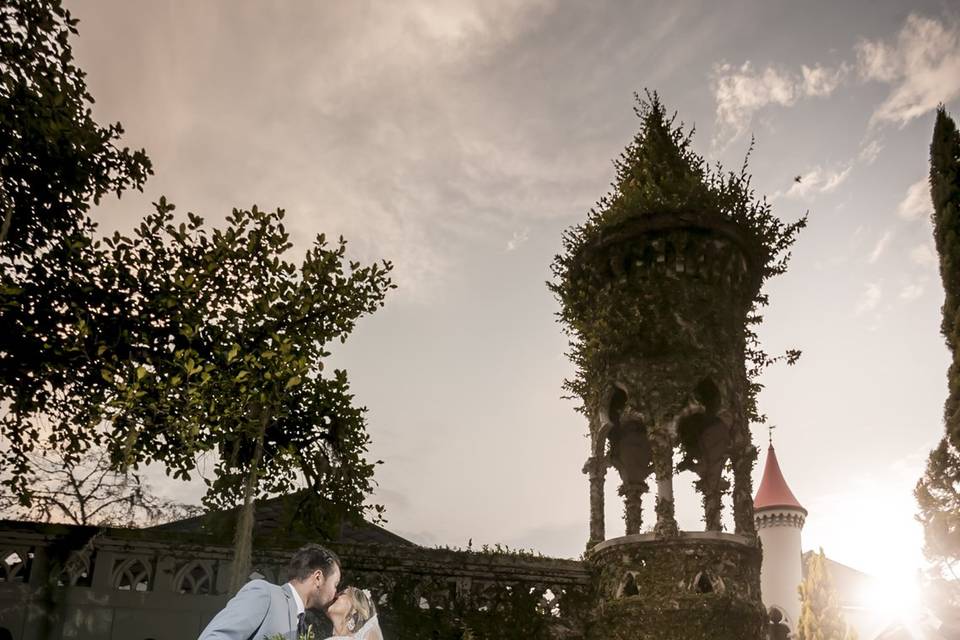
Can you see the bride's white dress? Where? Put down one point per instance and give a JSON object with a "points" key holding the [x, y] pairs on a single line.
{"points": [[369, 631]]}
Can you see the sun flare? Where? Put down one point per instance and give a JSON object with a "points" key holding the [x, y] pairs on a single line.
{"points": [[895, 597]]}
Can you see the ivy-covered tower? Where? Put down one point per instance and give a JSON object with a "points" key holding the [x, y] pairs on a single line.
{"points": [[658, 291]]}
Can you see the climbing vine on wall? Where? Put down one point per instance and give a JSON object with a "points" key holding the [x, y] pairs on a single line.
{"points": [[659, 173]]}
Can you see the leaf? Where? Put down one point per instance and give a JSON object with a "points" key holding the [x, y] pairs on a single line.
{"points": [[292, 382], [141, 372]]}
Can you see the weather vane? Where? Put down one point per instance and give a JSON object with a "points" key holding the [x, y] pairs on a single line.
{"points": [[770, 429]]}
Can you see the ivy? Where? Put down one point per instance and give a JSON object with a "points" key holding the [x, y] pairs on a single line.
{"points": [[659, 173]]}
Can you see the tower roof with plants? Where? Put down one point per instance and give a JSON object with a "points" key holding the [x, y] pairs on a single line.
{"points": [[662, 183]]}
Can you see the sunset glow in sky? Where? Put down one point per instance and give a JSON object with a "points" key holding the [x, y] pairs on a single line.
{"points": [[460, 138]]}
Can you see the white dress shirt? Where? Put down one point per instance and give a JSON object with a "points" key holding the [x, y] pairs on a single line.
{"points": [[297, 600]]}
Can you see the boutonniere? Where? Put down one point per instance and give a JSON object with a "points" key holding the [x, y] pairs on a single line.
{"points": [[309, 635]]}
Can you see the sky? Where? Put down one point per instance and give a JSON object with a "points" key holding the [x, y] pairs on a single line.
{"points": [[458, 139]]}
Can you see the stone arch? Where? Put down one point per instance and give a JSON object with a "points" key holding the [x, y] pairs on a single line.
{"points": [[195, 578], [613, 403], [133, 574], [628, 586], [631, 454], [13, 565], [706, 437], [705, 582], [77, 570]]}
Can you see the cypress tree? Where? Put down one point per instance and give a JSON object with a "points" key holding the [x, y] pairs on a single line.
{"points": [[938, 491], [820, 615], [945, 193]]}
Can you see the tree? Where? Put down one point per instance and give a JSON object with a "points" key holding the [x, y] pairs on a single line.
{"points": [[938, 491], [945, 193], [55, 161], [173, 343], [820, 615], [54, 158], [938, 496], [90, 493], [225, 350]]}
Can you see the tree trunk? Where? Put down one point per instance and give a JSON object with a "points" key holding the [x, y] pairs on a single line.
{"points": [[7, 215], [243, 535], [7, 219]]}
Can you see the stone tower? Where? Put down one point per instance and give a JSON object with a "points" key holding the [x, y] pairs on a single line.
{"points": [[779, 519], [683, 392], [657, 290]]}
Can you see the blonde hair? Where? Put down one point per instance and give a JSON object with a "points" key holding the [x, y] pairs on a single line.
{"points": [[361, 607]]}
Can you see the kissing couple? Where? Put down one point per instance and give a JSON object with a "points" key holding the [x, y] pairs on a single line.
{"points": [[264, 611]]}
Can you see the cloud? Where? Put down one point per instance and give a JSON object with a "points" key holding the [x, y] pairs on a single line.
{"points": [[924, 255], [411, 146], [819, 180], [517, 239], [870, 152], [741, 91], [922, 66], [821, 81], [880, 247], [911, 292], [870, 298], [916, 203]]}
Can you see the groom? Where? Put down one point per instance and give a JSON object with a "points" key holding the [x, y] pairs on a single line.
{"points": [[261, 609]]}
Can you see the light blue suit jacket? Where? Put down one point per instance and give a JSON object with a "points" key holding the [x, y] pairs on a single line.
{"points": [[259, 610]]}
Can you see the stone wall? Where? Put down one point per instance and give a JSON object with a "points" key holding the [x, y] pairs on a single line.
{"points": [[695, 586], [59, 582]]}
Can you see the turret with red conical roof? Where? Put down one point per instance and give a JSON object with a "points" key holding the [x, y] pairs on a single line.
{"points": [[779, 518], [774, 493]]}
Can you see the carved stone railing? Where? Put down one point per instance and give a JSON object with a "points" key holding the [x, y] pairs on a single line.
{"points": [[80, 582]]}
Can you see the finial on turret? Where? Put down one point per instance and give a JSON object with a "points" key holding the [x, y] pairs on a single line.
{"points": [[770, 429]]}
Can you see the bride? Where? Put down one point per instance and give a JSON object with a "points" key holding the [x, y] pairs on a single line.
{"points": [[354, 616]]}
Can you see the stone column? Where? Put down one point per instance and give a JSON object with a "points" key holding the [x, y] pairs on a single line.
{"points": [[742, 458], [712, 490], [662, 447], [596, 469], [632, 493]]}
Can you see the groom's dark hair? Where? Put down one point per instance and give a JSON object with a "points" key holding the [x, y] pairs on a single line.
{"points": [[308, 559]]}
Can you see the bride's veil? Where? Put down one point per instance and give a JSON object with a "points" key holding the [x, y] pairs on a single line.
{"points": [[370, 630]]}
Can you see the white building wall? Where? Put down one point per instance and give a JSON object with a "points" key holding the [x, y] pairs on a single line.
{"points": [[782, 570]]}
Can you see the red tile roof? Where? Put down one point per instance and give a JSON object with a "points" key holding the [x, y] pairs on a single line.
{"points": [[773, 491]]}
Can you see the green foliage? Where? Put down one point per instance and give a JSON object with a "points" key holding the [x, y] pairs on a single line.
{"points": [[223, 354], [660, 173], [55, 160], [820, 615], [938, 496], [181, 341], [707, 617], [511, 612], [938, 491], [945, 192], [309, 635]]}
